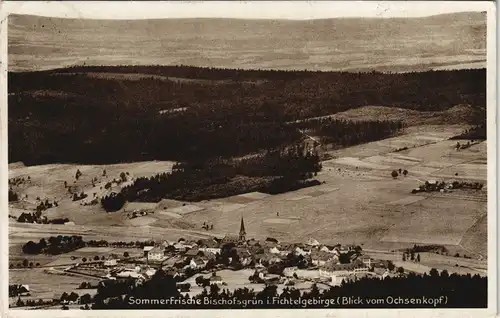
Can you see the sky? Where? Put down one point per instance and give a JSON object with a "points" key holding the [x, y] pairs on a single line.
{"points": [[293, 10]]}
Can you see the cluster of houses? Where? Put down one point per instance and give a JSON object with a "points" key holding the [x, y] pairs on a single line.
{"points": [[318, 261]]}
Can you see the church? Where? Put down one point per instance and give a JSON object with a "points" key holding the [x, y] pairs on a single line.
{"points": [[241, 238]]}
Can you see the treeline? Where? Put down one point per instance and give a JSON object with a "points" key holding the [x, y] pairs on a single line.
{"points": [[54, 245], [79, 118], [75, 242], [37, 218], [275, 171], [348, 133], [445, 291]]}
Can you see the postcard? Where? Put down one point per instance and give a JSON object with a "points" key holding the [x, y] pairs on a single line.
{"points": [[249, 158]]}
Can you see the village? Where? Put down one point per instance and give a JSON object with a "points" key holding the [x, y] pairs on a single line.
{"points": [[230, 263]]}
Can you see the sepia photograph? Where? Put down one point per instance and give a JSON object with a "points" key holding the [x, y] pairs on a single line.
{"points": [[249, 155]]}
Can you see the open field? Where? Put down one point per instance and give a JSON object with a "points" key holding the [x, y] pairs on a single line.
{"points": [[445, 226], [280, 220], [44, 285], [452, 264], [366, 205]]}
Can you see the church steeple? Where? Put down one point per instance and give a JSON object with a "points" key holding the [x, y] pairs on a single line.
{"points": [[242, 230]]}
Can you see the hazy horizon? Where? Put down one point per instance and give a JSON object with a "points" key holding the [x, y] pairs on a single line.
{"points": [[455, 40], [297, 10], [377, 17]]}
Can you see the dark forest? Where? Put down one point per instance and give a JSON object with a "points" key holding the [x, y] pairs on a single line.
{"points": [[100, 115]]}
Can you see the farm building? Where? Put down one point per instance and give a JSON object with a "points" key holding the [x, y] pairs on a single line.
{"points": [[139, 207]]}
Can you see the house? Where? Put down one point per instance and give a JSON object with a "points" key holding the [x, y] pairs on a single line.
{"points": [[277, 251], [210, 245], [180, 247], [271, 240], [289, 271], [319, 258], [149, 272], [275, 259], [231, 239], [253, 242], [213, 250], [381, 272], [244, 256], [111, 261], [156, 254], [346, 249], [331, 269], [274, 250], [215, 279], [271, 279], [167, 243], [129, 274], [23, 290], [367, 260], [146, 250], [171, 271], [138, 207], [299, 251], [312, 242], [325, 248], [380, 263], [173, 260], [192, 252], [197, 263], [208, 256], [267, 258]]}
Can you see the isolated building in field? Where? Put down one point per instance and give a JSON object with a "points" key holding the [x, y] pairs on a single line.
{"points": [[216, 279]]}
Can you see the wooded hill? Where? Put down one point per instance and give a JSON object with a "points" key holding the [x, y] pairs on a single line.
{"points": [[130, 113]]}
